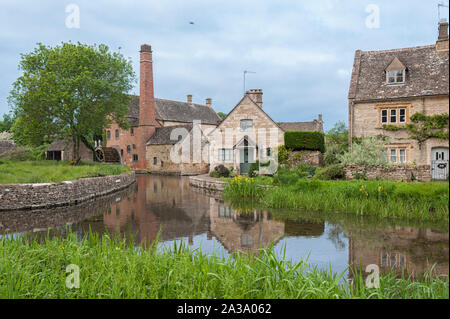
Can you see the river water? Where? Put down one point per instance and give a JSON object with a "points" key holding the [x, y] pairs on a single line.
{"points": [[168, 206]]}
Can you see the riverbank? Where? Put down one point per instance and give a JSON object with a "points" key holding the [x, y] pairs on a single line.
{"points": [[26, 196], [20, 172], [413, 200], [113, 268]]}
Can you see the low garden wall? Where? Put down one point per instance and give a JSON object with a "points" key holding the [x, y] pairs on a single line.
{"points": [[46, 195], [406, 173], [314, 158]]}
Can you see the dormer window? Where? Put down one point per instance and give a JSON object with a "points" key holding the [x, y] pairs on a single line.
{"points": [[395, 72], [396, 76]]}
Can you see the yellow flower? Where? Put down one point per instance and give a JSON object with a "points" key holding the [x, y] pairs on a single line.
{"points": [[379, 188]]}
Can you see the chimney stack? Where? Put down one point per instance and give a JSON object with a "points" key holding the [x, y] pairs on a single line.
{"points": [[256, 96], [209, 102], [146, 93], [320, 117], [442, 42], [189, 98]]}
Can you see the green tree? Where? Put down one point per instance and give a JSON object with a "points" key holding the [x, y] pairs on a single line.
{"points": [[6, 123], [222, 115], [336, 141], [70, 91]]}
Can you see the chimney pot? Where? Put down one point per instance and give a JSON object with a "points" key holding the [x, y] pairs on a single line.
{"points": [[320, 117], [442, 41], [189, 98], [256, 96], [146, 48], [209, 102]]}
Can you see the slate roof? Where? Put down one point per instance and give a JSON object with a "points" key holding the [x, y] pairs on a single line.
{"points": [[427, 73], [162, 135], [59, 145], [302, 126], [168, 110]]}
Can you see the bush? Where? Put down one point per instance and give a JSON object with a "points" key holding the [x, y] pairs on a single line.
{"points": [[17, 154], [306, 170], [330, 172], [220, 171], [368, 151], [283, 154], [304, 140]]}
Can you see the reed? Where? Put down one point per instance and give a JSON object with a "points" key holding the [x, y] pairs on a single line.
{"points": [[111, 267]]}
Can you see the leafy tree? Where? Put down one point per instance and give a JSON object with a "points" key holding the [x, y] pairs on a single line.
{"points": [[336, 141], [222, 115], [70, 91], [6, 123]]}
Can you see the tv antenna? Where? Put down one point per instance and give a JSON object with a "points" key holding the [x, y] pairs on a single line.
{"points": [[245, 72], [440, 4]]}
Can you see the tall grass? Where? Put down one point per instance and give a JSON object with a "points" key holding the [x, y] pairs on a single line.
{"points": [[12, 172], [114, 268], [422, 201]]}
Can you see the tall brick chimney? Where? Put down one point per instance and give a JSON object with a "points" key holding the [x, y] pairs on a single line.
{"points": [[147, 121], [256, 96], [442, 42], [146, 92], [189, 98], [208, 102]]}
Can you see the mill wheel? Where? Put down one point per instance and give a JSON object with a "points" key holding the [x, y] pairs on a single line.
{"points": [[100, 155]]}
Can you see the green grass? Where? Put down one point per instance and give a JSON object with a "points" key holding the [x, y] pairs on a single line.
{"points": [[114, 268], [421, 201], [14, 172]]}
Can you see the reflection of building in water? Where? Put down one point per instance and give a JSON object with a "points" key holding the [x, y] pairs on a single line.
{"points": [[160, 202], [413, 249], [254, 230]]}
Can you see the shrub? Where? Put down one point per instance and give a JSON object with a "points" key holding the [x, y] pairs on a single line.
{"points": [[368, 151], [222, 171], [17, 154], [283, 154], [331, 172], [305, 170], [362, 176], [304, 140], [254, 168]]}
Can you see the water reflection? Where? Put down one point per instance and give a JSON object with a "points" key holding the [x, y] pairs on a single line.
{"points": [[168, 204]]}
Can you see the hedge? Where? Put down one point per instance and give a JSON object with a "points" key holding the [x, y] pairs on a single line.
{"points": [[304, 140]]}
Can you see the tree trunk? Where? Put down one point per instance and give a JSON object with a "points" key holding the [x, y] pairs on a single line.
{"points": [[76, 150]]}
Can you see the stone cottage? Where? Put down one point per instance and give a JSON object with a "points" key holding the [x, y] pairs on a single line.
{"points": [[62, 150], [248, 134], [389, 86], [147, 115]]}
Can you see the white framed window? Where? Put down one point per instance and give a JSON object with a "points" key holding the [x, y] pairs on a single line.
{"points": [[246, 125], [393, 116], [393, 155], [402, 155], [384, 116], [396, 76], [401, 115], [225, 154]]}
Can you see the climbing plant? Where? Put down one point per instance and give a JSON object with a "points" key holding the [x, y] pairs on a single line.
{"points": [[423, 127]]}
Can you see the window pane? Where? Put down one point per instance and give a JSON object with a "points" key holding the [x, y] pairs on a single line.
{"points": [[400, 76], [402, 155], [384, 116], [402, 115], [391, 76], [246, 125], [155, 160], [393, 156], [117, 133], [393, 115]]}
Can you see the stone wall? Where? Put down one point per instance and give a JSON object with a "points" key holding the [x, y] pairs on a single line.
{"points": [[6, 146], [46, 195], [314, 158], [407, 173]]}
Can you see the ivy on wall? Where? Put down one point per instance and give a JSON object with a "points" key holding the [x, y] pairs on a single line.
{"points": [[423, 127]]}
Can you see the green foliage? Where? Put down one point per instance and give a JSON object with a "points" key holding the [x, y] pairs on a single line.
{"points": [[222, 115], [72, 91], [423, 127], [338, 135], [254, 168], [242, 187], [332, 154], [393, 128], [369, 151], [6, 123], [304, 140], [362, 176], [112, 267], [31, 171], [335, 171], [283, 154]]}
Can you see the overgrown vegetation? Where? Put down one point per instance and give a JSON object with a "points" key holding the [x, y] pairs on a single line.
{"points": [[13, 172], [336, 142], [114, 268], [418, 201], [423, 127], [369, 151]]}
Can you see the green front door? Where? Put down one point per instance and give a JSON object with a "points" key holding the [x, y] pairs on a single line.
{"points": [[246, 157]]}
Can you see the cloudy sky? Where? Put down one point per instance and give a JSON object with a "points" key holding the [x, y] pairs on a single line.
{"points": [[302, 51]]}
